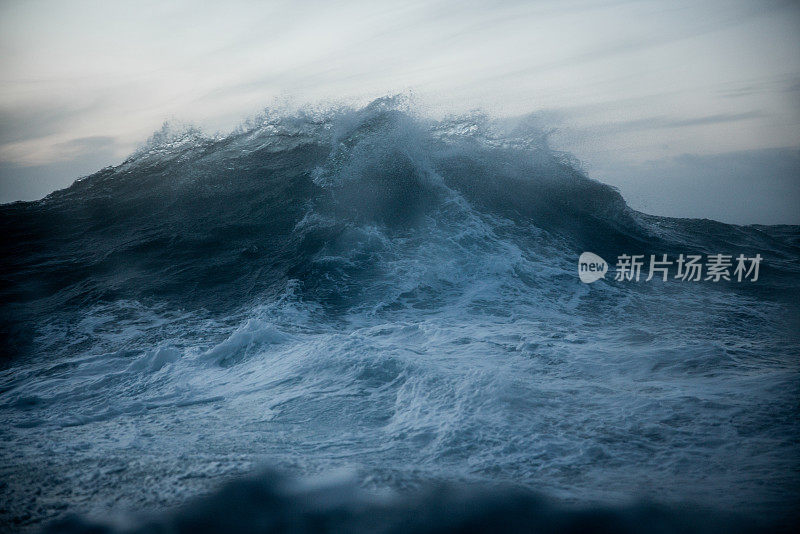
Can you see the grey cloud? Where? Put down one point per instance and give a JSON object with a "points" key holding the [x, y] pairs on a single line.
{"points": [[711, 119], [24, 123], [86, 155], [702, 25], [744, 187], [85, 144], [658, 123]]}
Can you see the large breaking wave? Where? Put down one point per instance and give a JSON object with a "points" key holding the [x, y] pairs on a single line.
{"points": [[372, 290]]}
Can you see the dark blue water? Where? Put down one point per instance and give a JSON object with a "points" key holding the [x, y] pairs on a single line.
{"points": [[370, 292]]}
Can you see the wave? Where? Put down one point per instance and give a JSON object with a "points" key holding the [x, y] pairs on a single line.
{"points": [[326, 198], [272, 502], [378, 290]]}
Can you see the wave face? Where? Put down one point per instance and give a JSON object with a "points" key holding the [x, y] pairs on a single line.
{"points": [[369, 290]]}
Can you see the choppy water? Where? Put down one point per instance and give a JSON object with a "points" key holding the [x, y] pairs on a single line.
{"points": [[398, 297]]}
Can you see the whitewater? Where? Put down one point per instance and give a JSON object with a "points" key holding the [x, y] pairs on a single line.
{"points": [[396, 298]]}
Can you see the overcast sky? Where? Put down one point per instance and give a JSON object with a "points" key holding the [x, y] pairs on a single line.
{"points": [[690, 108]]}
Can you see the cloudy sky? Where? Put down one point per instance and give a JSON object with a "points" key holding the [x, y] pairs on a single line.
{"points": [[691, 108]]}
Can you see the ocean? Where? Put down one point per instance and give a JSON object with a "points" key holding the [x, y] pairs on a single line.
{"points": [[387, 307]]}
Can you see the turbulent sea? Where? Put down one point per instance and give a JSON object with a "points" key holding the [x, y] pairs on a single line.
{"points": [[386, 311]]}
